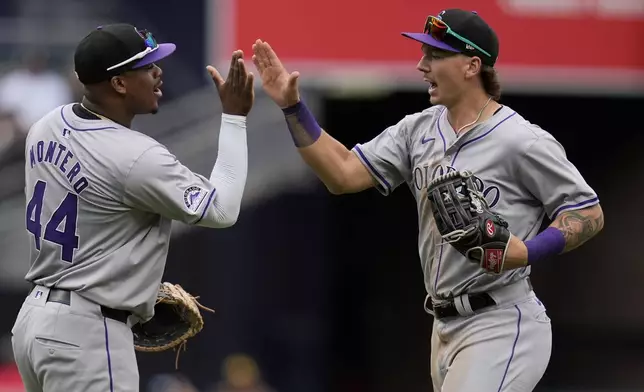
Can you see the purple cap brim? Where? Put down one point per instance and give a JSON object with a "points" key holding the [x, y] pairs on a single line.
{"points": [[164, 51], [431, 41]]}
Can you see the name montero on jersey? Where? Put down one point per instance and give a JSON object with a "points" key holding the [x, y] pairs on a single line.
{"points": [[68, 165]]}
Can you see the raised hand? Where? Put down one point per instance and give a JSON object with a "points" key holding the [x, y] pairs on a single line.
{"points": [[236, 92], [276, 81]]}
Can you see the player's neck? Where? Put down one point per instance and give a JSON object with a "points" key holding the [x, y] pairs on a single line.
{"points": [[471, 110], [110, 112]]}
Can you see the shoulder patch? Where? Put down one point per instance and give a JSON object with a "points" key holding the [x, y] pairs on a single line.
{"points": [[193, 196]]}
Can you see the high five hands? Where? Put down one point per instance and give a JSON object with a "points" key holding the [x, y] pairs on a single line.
{"points": [[237, 93], [280, 85]]}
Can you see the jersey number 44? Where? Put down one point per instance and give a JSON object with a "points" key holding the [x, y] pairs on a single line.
{"points": [[66, 214]]}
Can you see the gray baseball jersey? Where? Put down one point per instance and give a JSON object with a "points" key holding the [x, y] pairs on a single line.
{"points": [[519, 167], [100, 202]]}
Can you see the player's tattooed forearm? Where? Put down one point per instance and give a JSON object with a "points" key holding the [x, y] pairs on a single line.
{"points": [[579, 226]]}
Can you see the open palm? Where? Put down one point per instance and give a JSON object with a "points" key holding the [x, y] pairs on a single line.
{"points": [[276, 81]]}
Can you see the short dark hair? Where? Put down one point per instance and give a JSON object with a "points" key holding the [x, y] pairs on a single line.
{"points": [[491, 84]]}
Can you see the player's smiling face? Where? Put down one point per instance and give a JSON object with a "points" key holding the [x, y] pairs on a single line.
{"points": [[442, 70], [143, 89]]}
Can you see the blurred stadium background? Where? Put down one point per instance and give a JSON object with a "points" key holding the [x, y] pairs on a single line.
{"points": [[316, 292]]}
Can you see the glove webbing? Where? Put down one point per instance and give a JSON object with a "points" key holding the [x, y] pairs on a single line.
{"points": [[177, 291], [457, 208]]}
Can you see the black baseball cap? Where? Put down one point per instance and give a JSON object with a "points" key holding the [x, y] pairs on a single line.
{"points": [[461, 31], [113, 49]]}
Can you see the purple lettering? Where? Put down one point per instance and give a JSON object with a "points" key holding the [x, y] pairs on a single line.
{"points": [[32, 157], [40, 148], [61, 148], [80, 185], [62, 164], [50, 152], [72, 173]]}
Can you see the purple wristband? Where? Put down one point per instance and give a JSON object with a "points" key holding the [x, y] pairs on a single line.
{"points": [[302, 125], [549, 242]]}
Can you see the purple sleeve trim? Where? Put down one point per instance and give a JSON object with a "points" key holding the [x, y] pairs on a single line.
{"points": [[373, 170], [575, 206], [203, 213]]}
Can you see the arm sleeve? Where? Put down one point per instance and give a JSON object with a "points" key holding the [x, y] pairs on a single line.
{"points": [[552, 179], [159, 183], [387, 157]]}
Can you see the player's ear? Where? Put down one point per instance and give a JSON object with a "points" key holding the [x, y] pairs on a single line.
{"points": [[118, 84], [472, 67]]}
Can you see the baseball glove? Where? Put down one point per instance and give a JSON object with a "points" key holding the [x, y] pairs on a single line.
{"points": [[176, 319], [465, 221]]}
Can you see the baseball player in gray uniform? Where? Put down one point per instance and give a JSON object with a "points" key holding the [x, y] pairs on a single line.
{"points": [[490, 332], [100, 200]]}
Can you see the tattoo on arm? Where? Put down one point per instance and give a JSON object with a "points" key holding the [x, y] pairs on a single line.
{"points": [[579, 226]]}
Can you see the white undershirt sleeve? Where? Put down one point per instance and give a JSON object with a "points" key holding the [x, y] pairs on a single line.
{"points": [[159, 183]]}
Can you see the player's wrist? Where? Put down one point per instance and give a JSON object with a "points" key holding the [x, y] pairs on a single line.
{"points": [[302, 125], [290, 103], [516, 255], [295, 107], [233, 117], [548, 243]]}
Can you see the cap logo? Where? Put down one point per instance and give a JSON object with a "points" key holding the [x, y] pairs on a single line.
{"points": [[469, 47]]}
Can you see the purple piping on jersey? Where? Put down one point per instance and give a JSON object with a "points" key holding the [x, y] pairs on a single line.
{"points": [[438, 269], [79, 129], [479, 137], [109, 360], [440, 131], [425, 141], [373, 169], [203, 213], [583, 203], [514, 346]]}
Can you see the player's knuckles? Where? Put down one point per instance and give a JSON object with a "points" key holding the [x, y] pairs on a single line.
{"points": [[57, 343]]}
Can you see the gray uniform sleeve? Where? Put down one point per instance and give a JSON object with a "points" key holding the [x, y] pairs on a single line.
{"points": [[159, 183], [552, 179], [387, 157]]}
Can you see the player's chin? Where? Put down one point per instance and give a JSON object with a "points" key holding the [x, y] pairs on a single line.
{"points": [[434, 97], [153, 107], [148, 109]]}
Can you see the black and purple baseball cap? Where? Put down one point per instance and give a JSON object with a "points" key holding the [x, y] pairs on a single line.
{"points": [[113, 49], [460, 31]]}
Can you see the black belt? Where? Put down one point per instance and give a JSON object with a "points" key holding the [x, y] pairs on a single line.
{"points": [[477, 302], [65, 297]]}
